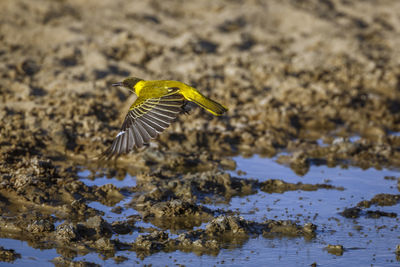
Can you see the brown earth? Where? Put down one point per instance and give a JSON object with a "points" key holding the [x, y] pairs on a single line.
{"points": [[297, 76]]}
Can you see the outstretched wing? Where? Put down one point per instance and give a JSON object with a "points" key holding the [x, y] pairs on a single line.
{"points": [[145, 120]]}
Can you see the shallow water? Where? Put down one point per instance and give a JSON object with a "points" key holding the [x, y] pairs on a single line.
{"points": [[366, 240], [395, 133]]}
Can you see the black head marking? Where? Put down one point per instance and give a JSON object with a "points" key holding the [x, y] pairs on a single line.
{"points": [[131, 82]]}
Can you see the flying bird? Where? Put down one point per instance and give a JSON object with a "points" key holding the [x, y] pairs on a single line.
{"points": [[157, 105]]}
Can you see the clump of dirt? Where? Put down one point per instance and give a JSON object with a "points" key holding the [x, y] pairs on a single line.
{"points": [[8, 255], [380, 200], [82, 237], [397, 252], [175, 214], [356, 212], [377, 200], [335, 249], [193, 186], [61, 261], [377, 214], [279, 186]]}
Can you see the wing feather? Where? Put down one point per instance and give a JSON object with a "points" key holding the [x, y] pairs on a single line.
{"points": [[143, 133], [150, 131], [122, 143], [131, 139], [157, 124], [138, 138], [145, 120]]}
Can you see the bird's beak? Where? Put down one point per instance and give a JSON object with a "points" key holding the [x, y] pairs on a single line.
{"points": [[117, 84]]}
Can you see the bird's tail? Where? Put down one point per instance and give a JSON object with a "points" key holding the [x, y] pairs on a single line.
{"points": [[208, 104]]}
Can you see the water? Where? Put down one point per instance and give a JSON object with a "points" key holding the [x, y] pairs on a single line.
{"points": [[366, 241], [359, 185], [352, 139], [29, 255], [111, 216], [127, 181]]}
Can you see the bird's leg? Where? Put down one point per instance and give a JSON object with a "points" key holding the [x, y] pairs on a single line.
{"points": [[186, 107]]}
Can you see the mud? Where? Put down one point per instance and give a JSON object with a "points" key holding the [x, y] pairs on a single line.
{"points": [[380, 200], [8, 255], [221, 232], [325, 92], [170, 201], [335, 249]]}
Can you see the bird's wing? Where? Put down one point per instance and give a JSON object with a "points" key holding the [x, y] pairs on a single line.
{"points": [[145, 120]]}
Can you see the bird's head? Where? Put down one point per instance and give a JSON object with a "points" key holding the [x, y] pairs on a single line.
{"points": [[128, 83]]}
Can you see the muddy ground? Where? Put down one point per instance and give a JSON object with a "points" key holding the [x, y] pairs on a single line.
{"points": [[301, 77]]}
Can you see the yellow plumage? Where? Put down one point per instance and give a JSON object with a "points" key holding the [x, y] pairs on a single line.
{"points": [[153, 89]]}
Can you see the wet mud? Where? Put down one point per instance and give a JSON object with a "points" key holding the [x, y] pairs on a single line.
{"points": [[8, 255], [322, 92]]}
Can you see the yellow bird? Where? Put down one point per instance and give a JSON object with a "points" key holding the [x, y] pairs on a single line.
{"points": [[157, 104]]}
